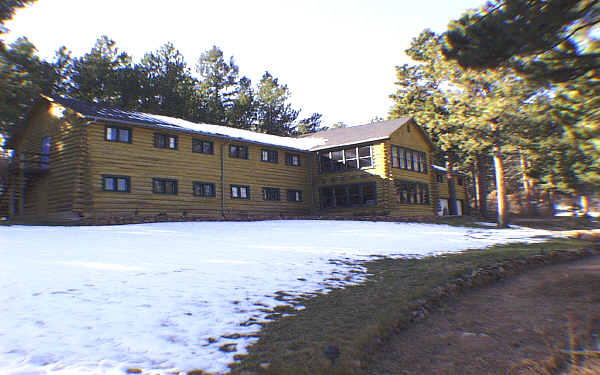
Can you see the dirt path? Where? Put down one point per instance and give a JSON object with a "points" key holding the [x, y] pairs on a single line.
{"points": [[496, 328]]}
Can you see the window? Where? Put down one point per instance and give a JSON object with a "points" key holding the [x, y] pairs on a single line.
{"points": [[202, 146], [165, 141], [269, 156], [292, 159], [237, 151], [45, 157], [204, 189], [164, 186], [349, 195], [439, 177], [412, 192], [348, 158], [294, 195], [271, 194], [459, 181], [411, 160], [240, 192], [117, 134], [120, 184]]}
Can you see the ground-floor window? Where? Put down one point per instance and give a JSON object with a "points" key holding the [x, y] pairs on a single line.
{"points": [[204, 189], [444, 209], [349, 195], [240, 192], [164, 186], [294, 195], [271, 194], [412, 192], [121, 184]]}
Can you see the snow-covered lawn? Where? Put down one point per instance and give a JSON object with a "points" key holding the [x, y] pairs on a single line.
{"points": [[162, 296]]}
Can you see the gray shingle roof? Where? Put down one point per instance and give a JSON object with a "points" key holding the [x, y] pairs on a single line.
{"points": [[356, 134]]}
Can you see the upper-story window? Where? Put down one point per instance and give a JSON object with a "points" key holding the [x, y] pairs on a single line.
{"points": [[165, 141], [117, 134], [238, 151], [412, 160], [292, 159], [270, 156], [202, 146], [348, 158]]}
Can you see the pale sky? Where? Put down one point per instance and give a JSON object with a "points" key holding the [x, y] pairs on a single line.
{"points": [[336, 56]]}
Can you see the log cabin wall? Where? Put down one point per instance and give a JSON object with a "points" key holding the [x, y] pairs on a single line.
{"points": [[409, 137], [54, 189], [141, 162]]}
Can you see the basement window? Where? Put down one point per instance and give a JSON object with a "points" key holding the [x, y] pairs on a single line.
{"points": [[120, 184]]}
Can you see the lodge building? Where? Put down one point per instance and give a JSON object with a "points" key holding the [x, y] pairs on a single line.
{"points": [[73, 160]]}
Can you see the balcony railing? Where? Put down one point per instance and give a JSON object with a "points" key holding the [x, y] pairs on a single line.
{"points": [[30, 163]]}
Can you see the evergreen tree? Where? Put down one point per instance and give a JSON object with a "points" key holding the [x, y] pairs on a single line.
{"points": [[308, 125], [218, 85], [242, 113], [274, 114]]}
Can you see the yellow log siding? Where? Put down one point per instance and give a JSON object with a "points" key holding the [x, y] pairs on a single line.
{"points": [[59, 193], [414, 140], [142, 162]]}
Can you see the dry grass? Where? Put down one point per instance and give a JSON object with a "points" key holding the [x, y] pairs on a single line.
{"points": [[359, 318]]}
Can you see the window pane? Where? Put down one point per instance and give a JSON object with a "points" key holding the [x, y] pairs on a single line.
{"points": [[172, 143], [365, 162], [298, 196], [326, 164], [159, 186], [337, 155], [196, 145], [369, 194], [394, 157], [265, 155], [364, 151], [234, 192], [122, 184], [243, 192], [351, 164], [350, 153], [209, 190], [207, 147], [354, 191], [124, 135], [402, 158], [111, 134], [295, 160], [340, 196], [109, 183]]}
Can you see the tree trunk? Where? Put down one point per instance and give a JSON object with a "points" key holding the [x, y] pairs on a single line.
{"points": [[585, 205], [475, 178], [482, 185], [526, 202], [500, 189], [451, 188]]}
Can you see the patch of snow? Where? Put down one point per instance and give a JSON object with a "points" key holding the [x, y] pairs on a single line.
{"points": [[161, 297], [218, 130]]}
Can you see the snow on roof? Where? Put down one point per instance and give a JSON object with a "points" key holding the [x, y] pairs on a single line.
{"points": [[241, 134]]}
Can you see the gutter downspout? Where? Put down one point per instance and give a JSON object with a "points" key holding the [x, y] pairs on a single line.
{"points": [[223, 180]]}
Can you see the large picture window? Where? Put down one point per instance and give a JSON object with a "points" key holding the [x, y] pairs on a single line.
{"points": [[349, 195], [348, 158], [412, 160], [411, 192], [164, 186]]}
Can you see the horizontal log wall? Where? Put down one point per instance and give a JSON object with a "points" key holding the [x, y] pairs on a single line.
{"points": [[142, 162]]}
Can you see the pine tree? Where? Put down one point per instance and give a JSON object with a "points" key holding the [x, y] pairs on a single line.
{"points": [[274, 115]]}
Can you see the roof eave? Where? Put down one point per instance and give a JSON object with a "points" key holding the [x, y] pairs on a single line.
{"points": [[190, 131], [369, 140]]}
